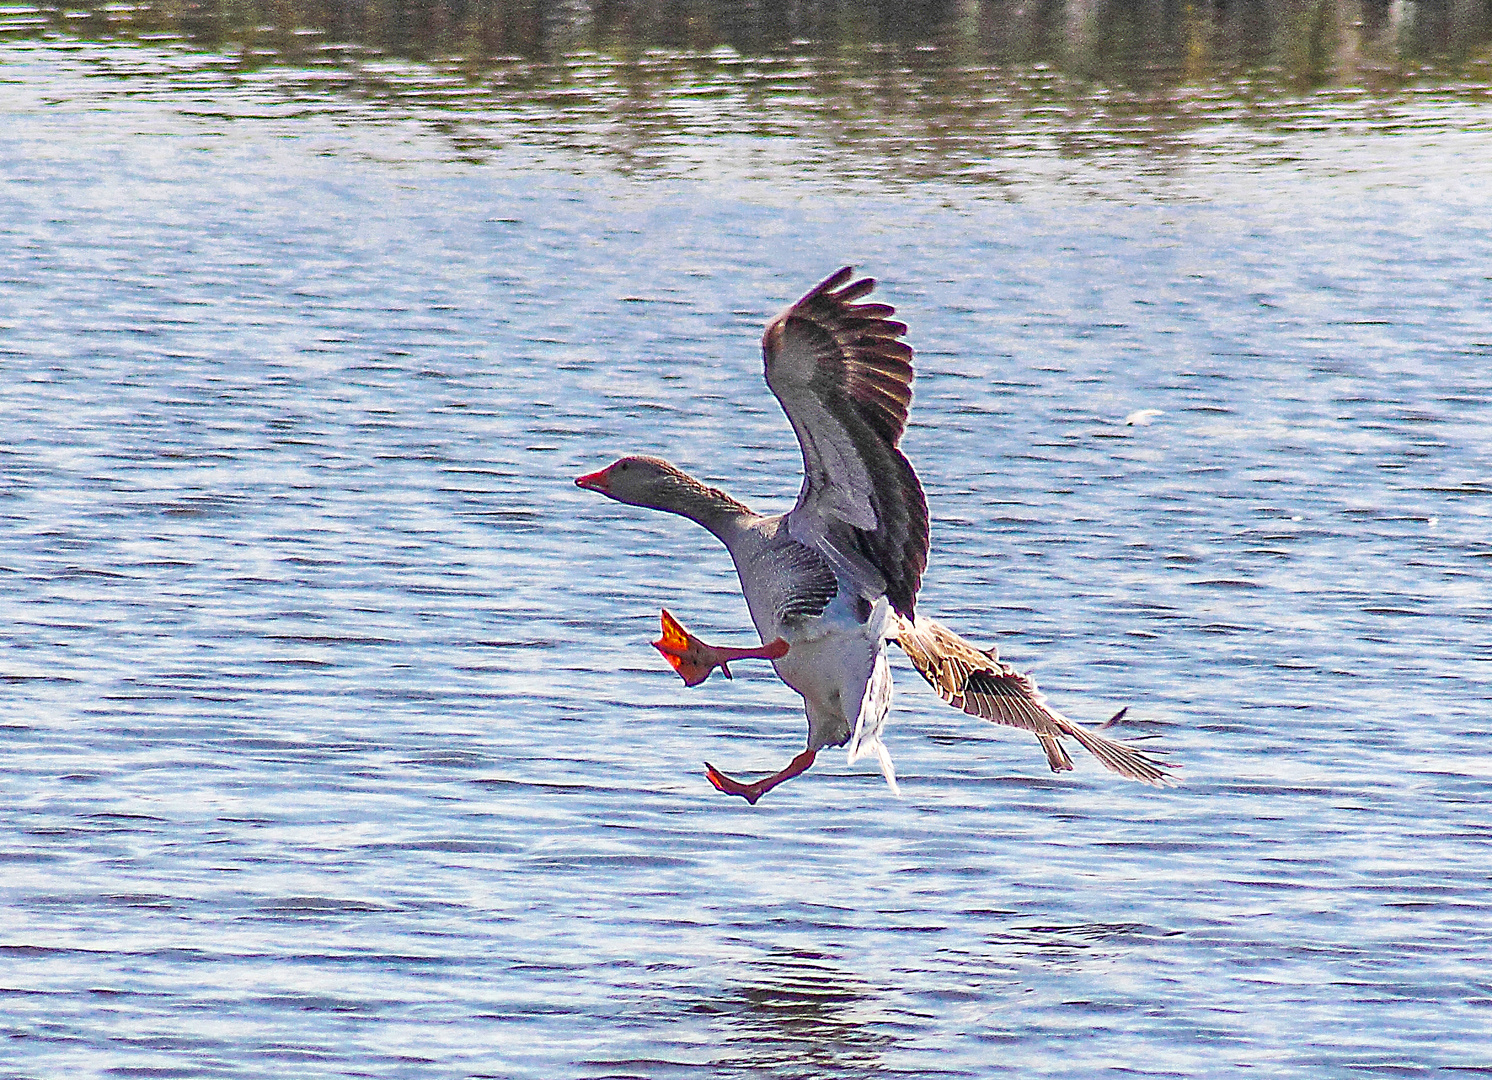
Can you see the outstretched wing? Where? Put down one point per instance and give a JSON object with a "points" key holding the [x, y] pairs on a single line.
{"points": [[976, 681], [844, 378]]}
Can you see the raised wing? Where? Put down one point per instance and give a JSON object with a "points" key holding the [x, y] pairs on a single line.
{"points": [[976, 681], [844, 378]]}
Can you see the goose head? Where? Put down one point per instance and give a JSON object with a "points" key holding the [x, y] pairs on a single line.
{"points": [[643, 481]]}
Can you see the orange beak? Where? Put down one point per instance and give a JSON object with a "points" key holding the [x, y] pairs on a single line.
{"points": [[596, 481]]}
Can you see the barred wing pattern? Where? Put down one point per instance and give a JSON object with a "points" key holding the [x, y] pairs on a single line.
{"points": [[976, 681]]}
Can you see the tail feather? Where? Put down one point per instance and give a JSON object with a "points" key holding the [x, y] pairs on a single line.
{"points": [[1056, 753], [976, 681]]}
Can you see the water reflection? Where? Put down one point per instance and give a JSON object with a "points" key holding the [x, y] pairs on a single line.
{"points": [[799, 1012], [805, 1013], [1316, 40], [981, 92], [787, 1013], [874, 117]]}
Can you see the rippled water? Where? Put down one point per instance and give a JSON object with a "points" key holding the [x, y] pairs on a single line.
{"points": [[332, 741]]}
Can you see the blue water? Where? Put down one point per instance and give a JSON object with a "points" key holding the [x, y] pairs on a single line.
{"points": [[330, 740]]}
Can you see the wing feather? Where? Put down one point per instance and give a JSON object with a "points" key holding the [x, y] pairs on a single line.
{"points": [[976, 681], [844, 378]]}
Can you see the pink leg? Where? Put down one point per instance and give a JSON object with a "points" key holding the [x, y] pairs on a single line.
{"points": [[752, 792], [694, 660]]}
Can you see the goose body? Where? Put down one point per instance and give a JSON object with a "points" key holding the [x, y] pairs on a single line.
{"points": [[836, 655], [832, 581]]}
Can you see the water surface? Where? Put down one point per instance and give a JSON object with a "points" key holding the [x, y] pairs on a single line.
{"points": [[332, 742]]}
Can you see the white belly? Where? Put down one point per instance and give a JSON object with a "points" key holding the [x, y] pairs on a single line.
{"points": [[830, 661]]}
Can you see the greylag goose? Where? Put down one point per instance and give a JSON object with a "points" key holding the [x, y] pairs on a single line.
{"points": [[830, 582]]}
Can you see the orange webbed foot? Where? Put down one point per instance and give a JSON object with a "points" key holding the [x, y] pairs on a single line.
{"points": [[694, 660], [686, 653], [729, 785]]}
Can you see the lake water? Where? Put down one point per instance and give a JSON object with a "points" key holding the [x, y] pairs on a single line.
{"points": [[332, 742]]}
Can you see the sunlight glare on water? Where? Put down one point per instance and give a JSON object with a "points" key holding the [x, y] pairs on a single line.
{"points": [[333, 744]]}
